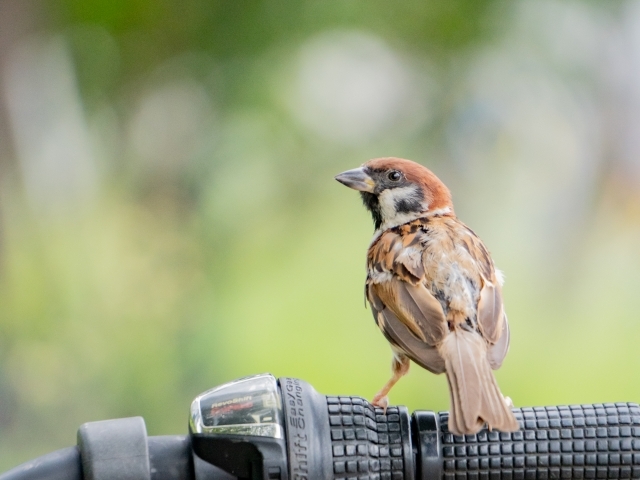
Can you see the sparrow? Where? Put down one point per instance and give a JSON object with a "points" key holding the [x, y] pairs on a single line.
{"points": [[434, 291]]}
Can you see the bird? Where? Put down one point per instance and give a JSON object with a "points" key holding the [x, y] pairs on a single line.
{"points": [[434, 291]]}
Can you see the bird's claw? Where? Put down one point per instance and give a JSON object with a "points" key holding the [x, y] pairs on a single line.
{"points": [[381, 401]]}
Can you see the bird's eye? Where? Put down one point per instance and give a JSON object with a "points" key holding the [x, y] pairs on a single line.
{"points": [[394, 175]]}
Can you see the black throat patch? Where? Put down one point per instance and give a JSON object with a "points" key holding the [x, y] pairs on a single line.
{"points": [[371, 202]]}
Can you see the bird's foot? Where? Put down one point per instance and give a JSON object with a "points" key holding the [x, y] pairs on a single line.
{"points": [[381, 401]]}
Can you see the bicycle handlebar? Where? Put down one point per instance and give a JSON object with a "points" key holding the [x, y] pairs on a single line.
{"points": [[355, 441]]}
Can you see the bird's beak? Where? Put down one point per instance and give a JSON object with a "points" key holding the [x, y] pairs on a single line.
{"points": [[357, 179]]}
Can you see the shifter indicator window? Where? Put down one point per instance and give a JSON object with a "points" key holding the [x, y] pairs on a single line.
{"points": [[249, 406]]}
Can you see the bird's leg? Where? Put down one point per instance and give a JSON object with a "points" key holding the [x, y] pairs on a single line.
{"points": [[399, 367]]}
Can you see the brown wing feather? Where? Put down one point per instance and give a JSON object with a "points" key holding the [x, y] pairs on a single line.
{"points": [[404, 293], [388, 254], [490, 308], [499, 350], [414, 306], [490, 312], [399, 335]]}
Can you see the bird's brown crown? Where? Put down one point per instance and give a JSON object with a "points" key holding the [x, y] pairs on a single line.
{"points": [[436, 194]]}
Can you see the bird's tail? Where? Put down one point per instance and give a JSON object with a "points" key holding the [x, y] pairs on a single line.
{"points": [[475, 396]]}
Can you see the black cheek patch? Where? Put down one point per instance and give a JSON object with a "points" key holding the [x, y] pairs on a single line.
{"points": [[408, 205]]}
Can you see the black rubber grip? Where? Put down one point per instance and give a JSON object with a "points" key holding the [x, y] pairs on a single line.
{"points": [[170, 459], [599, 441], [368, 443], [59, 465]]}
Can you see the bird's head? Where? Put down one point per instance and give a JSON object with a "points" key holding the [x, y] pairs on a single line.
{"points": [[397, 191]]}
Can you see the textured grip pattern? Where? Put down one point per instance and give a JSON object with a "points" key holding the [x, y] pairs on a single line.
{"points": [[366, 444], [578, 441]]}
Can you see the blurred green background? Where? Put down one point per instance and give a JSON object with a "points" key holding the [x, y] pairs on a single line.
{"points": [[169, 219]]}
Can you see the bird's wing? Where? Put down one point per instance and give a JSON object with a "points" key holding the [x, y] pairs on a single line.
{"points": [[499, 350], [399, 335], [396, 276], [491, 312], [398, 253], [491, 317], [415, 307]]}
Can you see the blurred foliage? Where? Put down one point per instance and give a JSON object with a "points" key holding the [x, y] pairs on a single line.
{"points": [[169, 219]]}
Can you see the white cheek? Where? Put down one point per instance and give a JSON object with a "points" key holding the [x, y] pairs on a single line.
{"points": [[390, 197], [388, 200]]}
